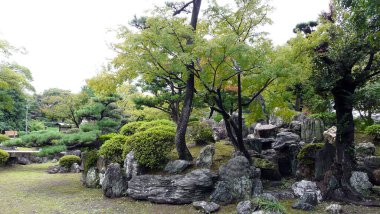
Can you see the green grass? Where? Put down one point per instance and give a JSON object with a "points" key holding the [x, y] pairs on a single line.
{"points": [[29, 189]]}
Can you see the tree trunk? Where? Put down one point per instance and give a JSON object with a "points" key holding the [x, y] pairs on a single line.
{"points": [[180, 138]]}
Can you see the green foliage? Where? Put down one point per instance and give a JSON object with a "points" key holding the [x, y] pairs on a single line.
{"points": [[269, 205], [367, 101], [130, 128], [3, 138], [374, 131], [91, 159], [328, 118], [112, 149], [263, 163], [35, 125], [51, 150], [71, 131], [361, 124], [154, 123], [68, 160], [307, 154], [35, 139], [3, 156], [152, 147], [82, 138], [13, 142], [88, 127], [106, 137], [200, 132]]}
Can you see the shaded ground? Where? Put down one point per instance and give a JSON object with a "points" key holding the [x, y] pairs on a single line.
{"points": [[29, 189]]}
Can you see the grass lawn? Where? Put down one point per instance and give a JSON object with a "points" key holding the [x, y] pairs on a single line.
{"points": [[29, 189]]}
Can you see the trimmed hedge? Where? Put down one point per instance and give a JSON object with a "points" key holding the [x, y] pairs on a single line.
{"points": [[152, 147], [200, 132], [3, 138], [155, 123], [112, 149], [68, 160], [51, 150], [130, 128], [103, 138], [3, 156]]}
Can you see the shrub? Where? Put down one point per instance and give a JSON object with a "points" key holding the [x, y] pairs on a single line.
{"points": [[328, 118], [373, 131], [130, 128], [91, 160], [268, 204], [12, 142], [152, 147], [106, 137], [35, 125], [307, 154], [71, 131], [68, 160], [51, 150], [155, 123], [3, 138], [79, 138], [112, 149], [88, 127], [201, 133], [3, 156], [34, 139]]}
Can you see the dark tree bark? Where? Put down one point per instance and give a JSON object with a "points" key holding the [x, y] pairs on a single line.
{"points": [[180, 138]]}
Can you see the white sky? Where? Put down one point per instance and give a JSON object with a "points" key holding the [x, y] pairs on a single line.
{"points": [[67, 40]]}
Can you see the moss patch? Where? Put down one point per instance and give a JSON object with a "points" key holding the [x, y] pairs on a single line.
{"points": [[307, 153], [263, 163]]}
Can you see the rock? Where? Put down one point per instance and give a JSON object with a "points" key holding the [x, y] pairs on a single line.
{"points": [[312, 130], [269, 197], [235, 181], [299, 188], [275, 120], [334, 209], [365, 149], [302, 206], [101, 164], [264, 212], [251, 129], [54, 160], [330, 134], [258, 144], [372, 162], [281, 195], [376, 176], [299, 117], [324, 158], [74, 152], [257, 188], [101, 178], [132, 168], [265, 131], [360, 182], [205, 156], [268, 165], [53, 169], [309, 197], [175, 189], [219, 131], [245, 207], [92, 178], [207, 207], [115, 183], [23, 160], [295, 127], [75, 168], [177, 166], [285, 139]]}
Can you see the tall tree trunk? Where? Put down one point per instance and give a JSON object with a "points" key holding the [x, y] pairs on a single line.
{"points": [[180, 138]]}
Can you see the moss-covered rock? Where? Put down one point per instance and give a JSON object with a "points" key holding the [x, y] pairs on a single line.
{"points": [[91, 159], [308, 152], [68, 160], [263, 163]]}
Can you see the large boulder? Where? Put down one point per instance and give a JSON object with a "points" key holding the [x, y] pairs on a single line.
{"points": [[115, 183], [219, 131], [177, 166], [299, 188], [258, 144], [285, 139], [329, 135], [132, 168], [307, 201], [372, 162], [365, 149], [175, 189], [324, 158], [75, 168], [245, 207], [92, 178], [376, 177], [360, 182], [295, 127], [265, 131], [205, 156], [235, 181], [206, 207], [268, 164], [312, 130], [334, 209]]}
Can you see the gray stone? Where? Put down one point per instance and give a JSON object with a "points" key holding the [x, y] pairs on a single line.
{"points": [[74, 152], [219, 131], [175, 189], [75, 168], [334, 209], [257, 188], [101, 178], [372, 162], [235, 181], [281, 195], [92, 178], [258, 144], [299, 188], [205, 156], [275, 120], [365, 149], [265, 131], [245, 207], [101, 164], [360, 182], [23, 160], [285, 139], [264, 212], [295, 127], [53, 169], [177, 166], [206, 207], [132, 168], [309, 197], [302, 206], [324, 158], [312, 130], [329, 135], [115, 183]]}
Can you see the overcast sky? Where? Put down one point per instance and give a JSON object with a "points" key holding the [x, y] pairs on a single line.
{"points": [[67, 40]]}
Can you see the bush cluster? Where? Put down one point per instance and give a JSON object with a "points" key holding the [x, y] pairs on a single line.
{"points": [[68, 160], [200, 132], [373, 131], [130, 128], [139, 126], [103, 138], [79, 138], [3, 138], [91, 160], [50, 150], [3, 156], [112, 149]]}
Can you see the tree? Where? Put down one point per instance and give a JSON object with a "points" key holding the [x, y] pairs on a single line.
{"points": [[367, 101], [346, 58]]}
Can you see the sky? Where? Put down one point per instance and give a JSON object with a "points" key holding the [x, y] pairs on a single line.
{"points": [[67, 41]]}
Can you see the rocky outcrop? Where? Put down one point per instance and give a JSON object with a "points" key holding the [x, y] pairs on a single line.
{"points": [[92, 178], [285, 139], [177, 166], [307, 201], [176, 189], [236, 181], [265, 131], [334, 209], [299, 188], [365, 149], [219, 131], [329, 135], [312, 130], [205, 156], [132, 168], [324, 158], [115, 183], [206, 207], [258, 144], [360, 182], [75, 168], [245, 207]]}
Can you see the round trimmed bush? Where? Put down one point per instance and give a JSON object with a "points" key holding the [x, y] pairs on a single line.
{"points": [[68, 160], [3, 156], [200, 132], [3, 138], [130, 128], [155, 123], [103, 138], [112, 149], [152, 147]]}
